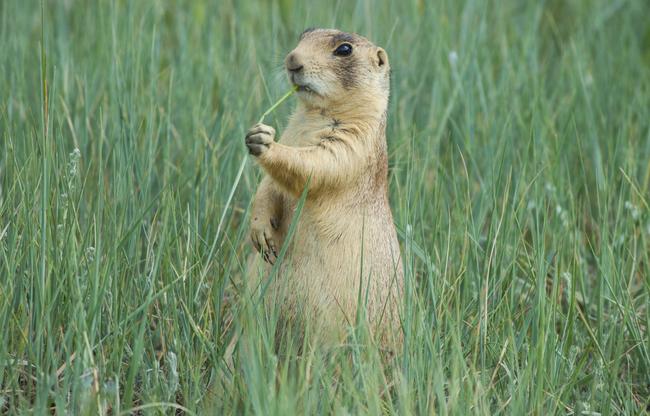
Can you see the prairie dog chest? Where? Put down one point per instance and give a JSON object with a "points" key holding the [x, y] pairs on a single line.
{"points": [[306, 131]]}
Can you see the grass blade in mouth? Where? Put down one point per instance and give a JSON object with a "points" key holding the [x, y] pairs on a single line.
{"points": [[280, 101]]}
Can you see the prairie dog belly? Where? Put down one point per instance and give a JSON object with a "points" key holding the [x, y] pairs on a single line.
{"points": [[328, 262]]}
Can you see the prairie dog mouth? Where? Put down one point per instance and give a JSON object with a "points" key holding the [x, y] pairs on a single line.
{"points": [[301, 85], [304, 88]]}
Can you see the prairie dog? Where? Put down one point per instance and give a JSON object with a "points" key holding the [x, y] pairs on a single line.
{"points": [[345, 250]]}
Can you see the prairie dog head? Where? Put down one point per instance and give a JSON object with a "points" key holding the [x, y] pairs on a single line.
{"points": [[330, 67]]}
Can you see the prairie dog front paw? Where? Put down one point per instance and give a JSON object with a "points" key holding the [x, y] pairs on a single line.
{"points": [[266, 239], [259, 138]]}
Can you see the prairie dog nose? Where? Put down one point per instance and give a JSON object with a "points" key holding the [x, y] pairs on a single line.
{"points": [[293, 63]]}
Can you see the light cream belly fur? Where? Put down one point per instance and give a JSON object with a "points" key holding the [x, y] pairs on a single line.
{"points": [[326, 264]]}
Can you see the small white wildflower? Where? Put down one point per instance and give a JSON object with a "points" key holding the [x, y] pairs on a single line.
{"points": [[453, 58], [635, 213], [550, 188], [564, 216], [110, 387], [89, 380], [64, 199], [598, 376], [73, 164], [566, 276], [587, 409], [531, 206], [172, 382], [573, 355], [90, 254]]}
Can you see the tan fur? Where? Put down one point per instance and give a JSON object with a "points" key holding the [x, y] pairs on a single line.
{"points": [[345, 235]]}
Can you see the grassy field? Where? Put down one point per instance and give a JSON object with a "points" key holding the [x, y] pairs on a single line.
{"points": [[519, 140]]}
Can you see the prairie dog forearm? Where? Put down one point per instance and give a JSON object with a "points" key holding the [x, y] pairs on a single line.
{"points": [[332, 164], [267, 205]]}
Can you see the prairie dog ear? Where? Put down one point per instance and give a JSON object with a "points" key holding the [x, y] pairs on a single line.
{"points": [[381, 58]]}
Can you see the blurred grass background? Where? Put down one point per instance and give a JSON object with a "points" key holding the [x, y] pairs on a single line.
{"points": [[519, 137]]}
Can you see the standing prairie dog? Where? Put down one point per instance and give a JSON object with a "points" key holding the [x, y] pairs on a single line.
{"points": [[345, 252]]}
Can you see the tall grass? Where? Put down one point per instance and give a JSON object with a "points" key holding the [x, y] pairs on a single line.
{"points": [[519, 137]]}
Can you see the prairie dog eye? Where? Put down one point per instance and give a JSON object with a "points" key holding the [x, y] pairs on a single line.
{"points": [[344, 49]]}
